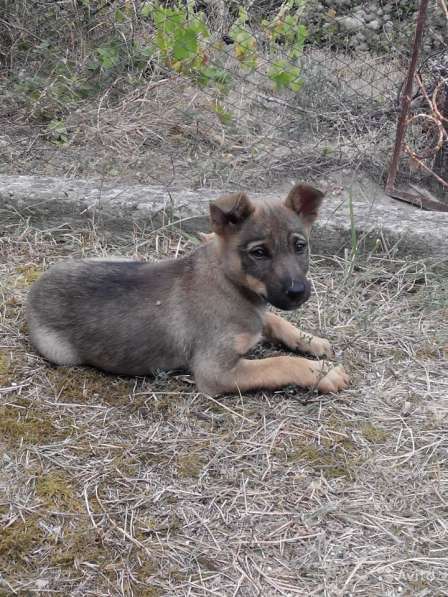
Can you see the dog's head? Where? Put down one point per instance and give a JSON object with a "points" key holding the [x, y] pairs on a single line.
{"points": [[265, 244]]}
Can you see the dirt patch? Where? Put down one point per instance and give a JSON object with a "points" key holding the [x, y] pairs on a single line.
{"points": [[142, 486]]}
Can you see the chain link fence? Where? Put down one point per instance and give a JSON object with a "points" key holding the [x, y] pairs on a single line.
{"points": [[421, 148], [221, 94]]}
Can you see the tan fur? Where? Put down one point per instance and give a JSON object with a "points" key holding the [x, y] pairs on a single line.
{"points": [[275, 372], [244, 342], [280, 330], [255, 285], [206, 237], [227, 250]]}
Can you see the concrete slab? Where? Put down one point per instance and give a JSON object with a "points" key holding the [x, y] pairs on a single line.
{"points": [[355, 208]]}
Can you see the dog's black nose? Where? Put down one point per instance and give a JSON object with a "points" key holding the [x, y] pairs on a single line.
{"points": [[295, 290]]}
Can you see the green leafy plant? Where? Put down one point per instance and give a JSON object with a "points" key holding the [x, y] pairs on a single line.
{"points": [[245, 44], [181, 39], [286, 30], [160, 38], [108, 55], [285, 75], [57, 132]]}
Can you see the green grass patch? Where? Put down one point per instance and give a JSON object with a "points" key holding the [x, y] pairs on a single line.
{"points": [[17, 541], [374, 434], [56, 491], [20, 425], [82, 385]]}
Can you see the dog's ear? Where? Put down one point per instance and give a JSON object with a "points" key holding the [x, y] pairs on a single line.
{"points": [[305, 200], [228, 212]]}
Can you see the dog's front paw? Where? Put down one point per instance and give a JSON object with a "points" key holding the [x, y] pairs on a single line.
{"points": [[334, 381], [320, 347]]}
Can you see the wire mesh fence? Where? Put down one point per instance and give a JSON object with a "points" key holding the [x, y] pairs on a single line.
{"points": [[222, 94], [421, 148]]}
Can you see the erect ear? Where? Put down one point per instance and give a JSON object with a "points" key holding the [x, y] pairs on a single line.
{"points": [[229, 212], [305, 200]]}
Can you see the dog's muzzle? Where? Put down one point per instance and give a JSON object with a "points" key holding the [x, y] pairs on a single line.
{"points": [[294, 294]]}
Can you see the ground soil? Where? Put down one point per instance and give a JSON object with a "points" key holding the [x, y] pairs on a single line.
{"points": [[117, 486]]}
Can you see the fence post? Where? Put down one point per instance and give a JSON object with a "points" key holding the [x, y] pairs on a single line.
{"points": [[406, 96]]}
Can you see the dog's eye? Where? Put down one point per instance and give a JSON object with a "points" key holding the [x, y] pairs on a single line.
{"points": [[299, 246], [259, 253]]}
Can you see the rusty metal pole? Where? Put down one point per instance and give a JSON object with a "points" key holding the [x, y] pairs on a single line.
{"points": [[406, 97]]}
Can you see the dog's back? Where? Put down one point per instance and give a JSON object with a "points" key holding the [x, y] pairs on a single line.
{"points": [[109, 314]]}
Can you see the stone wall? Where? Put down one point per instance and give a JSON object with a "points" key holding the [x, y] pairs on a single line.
{"points": [[369, 25], [359, 204]]}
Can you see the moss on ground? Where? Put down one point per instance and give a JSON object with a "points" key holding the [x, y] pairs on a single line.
{"points": [[333, 460], [5, 369], [190, 465], [81, 544], [150, 458], [18, 540], [82, 385], [374, 434], [12, 363], [56, 492], [27, 275], [21, 425], [11, 308], [150, 592]]}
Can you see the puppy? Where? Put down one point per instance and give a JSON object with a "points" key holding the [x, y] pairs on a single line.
{"points": [[203, 312]]}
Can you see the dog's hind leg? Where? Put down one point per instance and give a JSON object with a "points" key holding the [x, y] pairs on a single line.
{"points": [[279, 330], [54, 347]]}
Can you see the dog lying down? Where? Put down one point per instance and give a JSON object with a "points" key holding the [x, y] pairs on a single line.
{"points": [[202, 312]]}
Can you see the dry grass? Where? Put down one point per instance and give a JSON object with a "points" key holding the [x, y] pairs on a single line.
{"points": [[141, 122], [162, 129], [144, 487]]}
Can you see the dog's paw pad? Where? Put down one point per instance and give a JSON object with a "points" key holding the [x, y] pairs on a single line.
{"points": [[321, 348], [334, 381]]}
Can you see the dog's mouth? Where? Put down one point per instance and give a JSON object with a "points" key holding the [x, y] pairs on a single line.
{"points": [[287, 304]]}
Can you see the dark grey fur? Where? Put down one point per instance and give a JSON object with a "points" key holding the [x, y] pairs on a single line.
{"points": [[131, 318]]}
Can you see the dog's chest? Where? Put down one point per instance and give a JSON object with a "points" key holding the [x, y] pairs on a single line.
{"points": [[244, 342]]}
